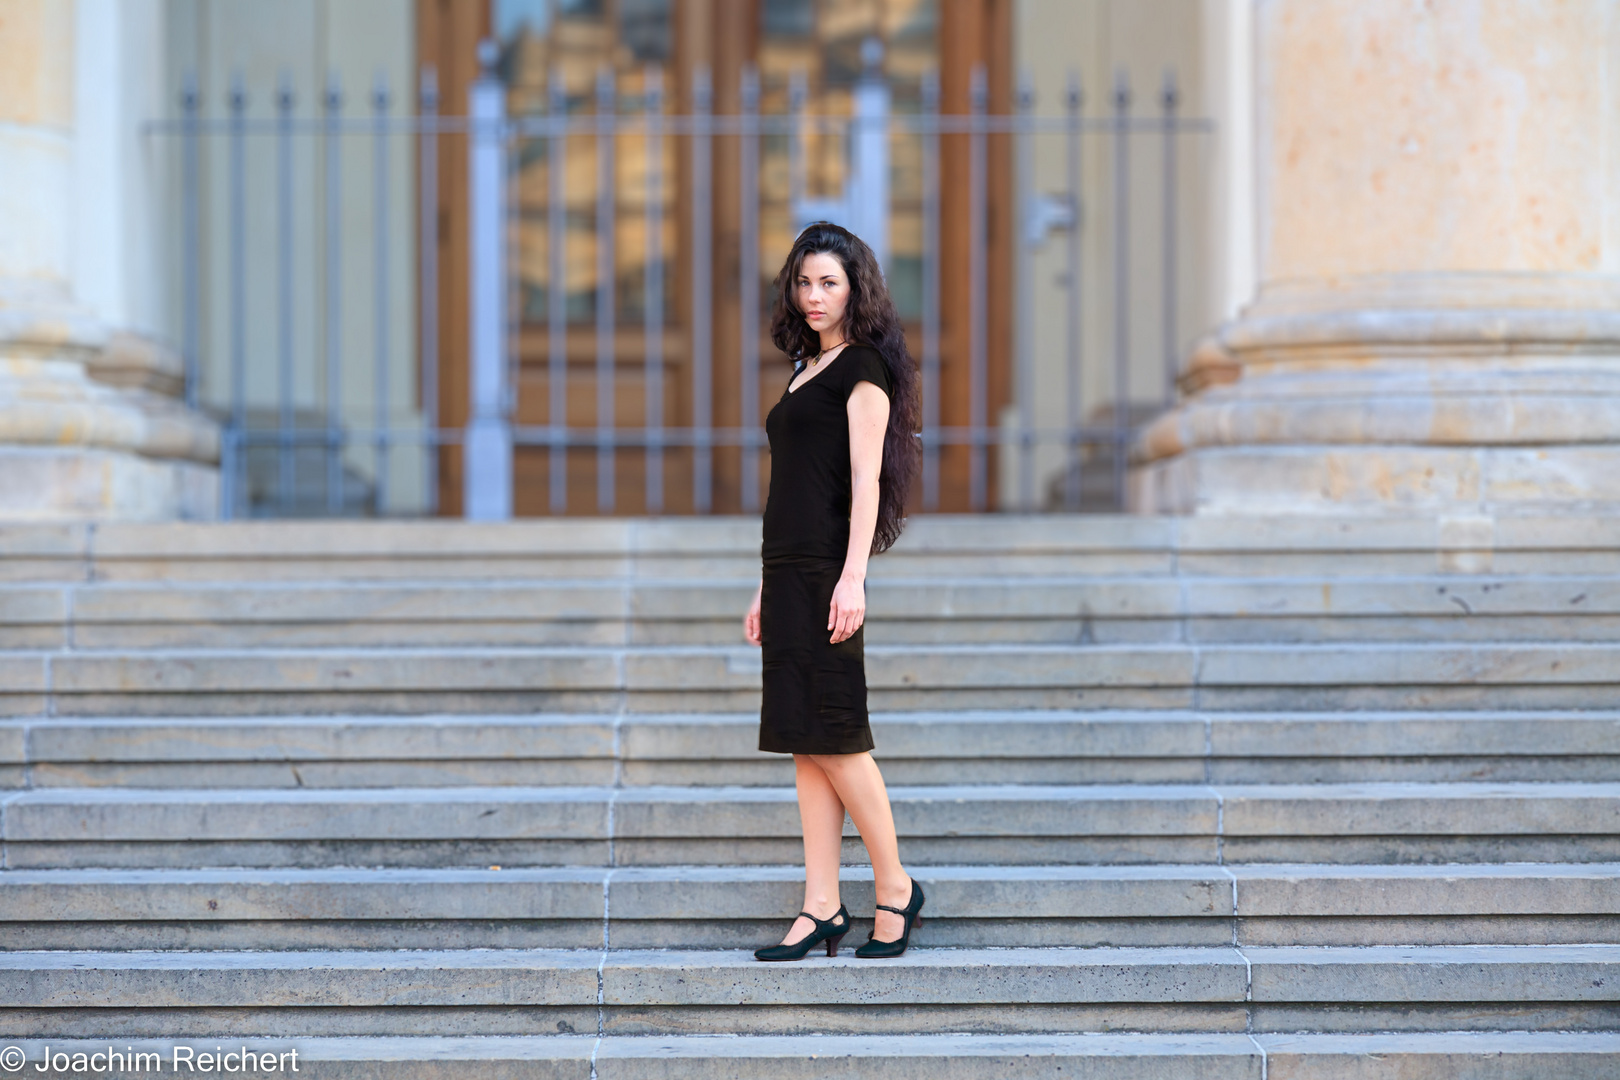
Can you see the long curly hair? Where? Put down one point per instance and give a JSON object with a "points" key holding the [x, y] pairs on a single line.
{"points": [[870, 319]]}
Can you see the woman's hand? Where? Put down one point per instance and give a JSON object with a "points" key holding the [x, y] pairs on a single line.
{"points": [[751, 620], [848, 608]]}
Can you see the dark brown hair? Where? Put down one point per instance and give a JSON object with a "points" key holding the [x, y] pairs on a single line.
{"points": [[869, 319]]}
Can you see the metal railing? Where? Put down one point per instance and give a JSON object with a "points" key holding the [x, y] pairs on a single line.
{"points": [[341, 429]]}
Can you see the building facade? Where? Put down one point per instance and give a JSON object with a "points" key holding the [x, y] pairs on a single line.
{"points": [[243, 272]]}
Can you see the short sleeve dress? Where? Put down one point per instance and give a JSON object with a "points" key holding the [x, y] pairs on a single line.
{"points": [[814, 698]]}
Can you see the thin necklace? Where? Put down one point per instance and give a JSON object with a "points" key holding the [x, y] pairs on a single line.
{"points": [[823, 352]]}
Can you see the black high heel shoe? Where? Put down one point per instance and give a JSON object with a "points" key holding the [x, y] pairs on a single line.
{"points": [[831, 931], [886, 949]]}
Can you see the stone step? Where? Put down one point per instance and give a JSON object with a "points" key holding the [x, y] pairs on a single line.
{"points": [[942, 825], [927, 747], [550, 549], [1520, 1055], [703, 547], [663, 992], [937, 609], [738, 907], [1490, 675]]}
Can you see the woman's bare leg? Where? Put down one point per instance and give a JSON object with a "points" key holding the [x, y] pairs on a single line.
{"points": [[821, 813], [860, 788]]}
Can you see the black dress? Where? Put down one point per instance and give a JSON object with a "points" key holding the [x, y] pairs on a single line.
{"points": [[814, 691]]}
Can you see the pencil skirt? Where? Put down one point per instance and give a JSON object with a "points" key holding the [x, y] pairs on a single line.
{"points": [[814, 698]]}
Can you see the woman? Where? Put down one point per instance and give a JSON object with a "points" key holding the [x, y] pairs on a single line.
{"points": [[843, 454]]}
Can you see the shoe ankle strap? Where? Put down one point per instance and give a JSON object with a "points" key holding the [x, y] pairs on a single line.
{"points": [[833, 921]]}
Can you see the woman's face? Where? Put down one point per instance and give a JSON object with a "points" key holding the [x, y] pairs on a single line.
{"points": [[823, 291]]}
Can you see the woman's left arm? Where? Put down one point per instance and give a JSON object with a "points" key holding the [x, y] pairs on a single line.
{"points": [[868, 409]]}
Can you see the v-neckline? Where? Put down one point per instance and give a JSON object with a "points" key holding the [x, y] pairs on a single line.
{"points": [[818, 374]]}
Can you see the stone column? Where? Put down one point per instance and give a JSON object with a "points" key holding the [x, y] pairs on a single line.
{"points": [[1437, 326], [73, 445]]}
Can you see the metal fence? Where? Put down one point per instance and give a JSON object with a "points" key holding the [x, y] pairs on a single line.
{"points": [[342, 429]]}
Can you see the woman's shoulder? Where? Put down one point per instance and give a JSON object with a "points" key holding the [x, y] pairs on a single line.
{"points": [[865, 363]]}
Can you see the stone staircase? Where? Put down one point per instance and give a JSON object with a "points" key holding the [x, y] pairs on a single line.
{"points": [[1204, 798]]}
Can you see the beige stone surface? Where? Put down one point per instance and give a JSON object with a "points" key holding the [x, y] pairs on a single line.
{"points": [[137, 361], [1434, 137], [55, 403], [36, 146], [33, 90], [76, 448], [47, 483], [1440, 263], [73, 447]]}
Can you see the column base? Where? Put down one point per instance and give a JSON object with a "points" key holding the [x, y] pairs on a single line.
{"points": [[77, 447], [87, 483], [1379, 479], [1398, 394]]}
